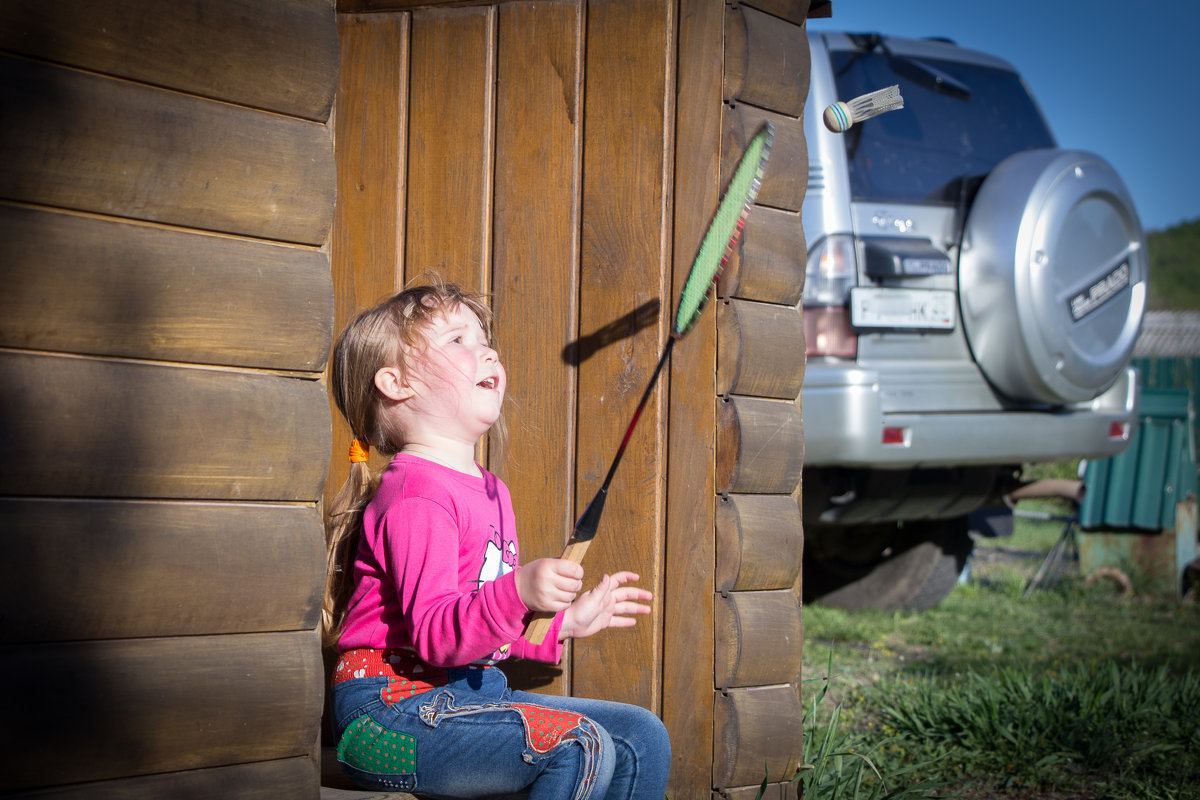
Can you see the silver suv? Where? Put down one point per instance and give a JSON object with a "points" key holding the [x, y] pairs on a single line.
{"points": [[971, 304]]}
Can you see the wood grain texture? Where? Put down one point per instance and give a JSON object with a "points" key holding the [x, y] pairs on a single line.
{"points": [[759, 542], [623, 267], [786, 176], [363, 6], [760, 445], [265, 780], [687, 598], [761, 350], [450, 145], [756, 727], [106, 570], [774, 791], [759, 638], [145, 706], [769, 265], [536, 258], [96, 428], [796, 11], [81, 141], [366, 241], [766, 61], [278, 55], [88, 285]]}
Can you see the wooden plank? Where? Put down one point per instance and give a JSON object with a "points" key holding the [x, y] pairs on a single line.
{"points": [[759, 542], [786, 176], [687, 597], [759, 638], [769, 265], [756, 728], [279, 56], [760, 445], [81, 141], [761, 349], [366, 242], [766, 61], [536, 253], [332, 793], [796, 11], [624, 230], [536, 236], [774, 791], [450, 159], [365, 6], [104, 569], [88, 285], [289, 777], [98, 428], [145, 706]]}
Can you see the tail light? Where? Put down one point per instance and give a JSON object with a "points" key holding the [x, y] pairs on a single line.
{"points": [[832, 270]]}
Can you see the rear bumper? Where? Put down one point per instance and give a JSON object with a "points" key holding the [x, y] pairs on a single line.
{"points": [[844, 424]]}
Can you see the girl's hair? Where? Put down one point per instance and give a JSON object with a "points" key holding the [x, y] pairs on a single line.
{"points": [[383, 336]]}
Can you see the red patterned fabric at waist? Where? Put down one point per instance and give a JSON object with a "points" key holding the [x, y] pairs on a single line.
{"points": [[409, 674]]}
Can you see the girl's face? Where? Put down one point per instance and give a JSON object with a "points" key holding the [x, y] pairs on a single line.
{"points": [[457, 379]]}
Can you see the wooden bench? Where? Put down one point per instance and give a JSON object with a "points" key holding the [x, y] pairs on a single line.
{"points": [[336, 786]]}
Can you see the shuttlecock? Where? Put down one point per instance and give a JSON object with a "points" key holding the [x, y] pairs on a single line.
{"points": [[841, 115]]}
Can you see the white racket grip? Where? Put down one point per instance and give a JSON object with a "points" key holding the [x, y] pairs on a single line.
{"points": [[535, 632]]}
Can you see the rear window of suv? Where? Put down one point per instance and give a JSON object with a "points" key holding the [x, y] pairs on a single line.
{"points": [[958, 122]]}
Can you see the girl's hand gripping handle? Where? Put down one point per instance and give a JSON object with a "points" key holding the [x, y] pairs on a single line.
{"points": [[535, 631], [577, 547]]}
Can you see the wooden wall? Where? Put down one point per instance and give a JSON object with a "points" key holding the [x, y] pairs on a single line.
{"points": [[464, 135], [565, 156], [166, 196], [760, 438], [166, 192]]}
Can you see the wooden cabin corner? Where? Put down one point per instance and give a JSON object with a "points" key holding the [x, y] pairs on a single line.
{"points": [[196, 195]]}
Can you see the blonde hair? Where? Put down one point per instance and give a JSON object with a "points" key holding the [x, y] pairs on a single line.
{"points": [[383, 336]]}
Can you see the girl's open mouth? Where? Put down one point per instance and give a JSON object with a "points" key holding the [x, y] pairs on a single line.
{"points": [[487, 383]]}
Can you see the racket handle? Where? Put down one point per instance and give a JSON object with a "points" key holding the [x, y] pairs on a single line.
{"points": [[539, 626]]}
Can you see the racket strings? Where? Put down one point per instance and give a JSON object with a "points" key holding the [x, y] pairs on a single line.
{"points": [[726, 228]]}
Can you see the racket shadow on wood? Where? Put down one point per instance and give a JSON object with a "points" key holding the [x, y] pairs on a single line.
{"points": [[716, 247], [583, 348]]}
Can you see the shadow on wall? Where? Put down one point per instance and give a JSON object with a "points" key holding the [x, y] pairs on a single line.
{"points": [[580, 350]]}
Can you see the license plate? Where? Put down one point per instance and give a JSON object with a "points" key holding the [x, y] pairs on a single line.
{"points": [[873, 308]]}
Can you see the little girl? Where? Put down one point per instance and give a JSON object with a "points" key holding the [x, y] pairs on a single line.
{"points": [[425, 594]]}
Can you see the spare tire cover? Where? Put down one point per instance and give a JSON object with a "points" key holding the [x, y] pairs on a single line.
{"points": [[1052, 277]]}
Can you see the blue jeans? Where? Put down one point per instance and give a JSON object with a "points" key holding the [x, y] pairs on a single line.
{"points": [[476, 738]]}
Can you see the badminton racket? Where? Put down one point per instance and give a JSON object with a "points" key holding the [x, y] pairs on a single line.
{"points": [[715, 249]]}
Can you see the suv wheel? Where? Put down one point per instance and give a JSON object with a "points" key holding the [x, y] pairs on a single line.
{"points": [[1052, 277], [912, 567]]}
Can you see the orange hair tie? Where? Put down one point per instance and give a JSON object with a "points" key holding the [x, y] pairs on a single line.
{"points": [[358, 451]]}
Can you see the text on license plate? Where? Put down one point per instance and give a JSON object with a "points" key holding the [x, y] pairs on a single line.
{"points": [[910, 309]]}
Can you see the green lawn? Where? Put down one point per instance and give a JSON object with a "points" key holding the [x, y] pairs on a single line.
{"points": [[1076, 692]]}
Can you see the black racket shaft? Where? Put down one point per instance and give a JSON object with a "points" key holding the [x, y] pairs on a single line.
{"points": [[589, 520]]}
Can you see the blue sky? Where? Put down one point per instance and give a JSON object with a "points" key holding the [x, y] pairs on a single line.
{"points": [[1120, 79]]}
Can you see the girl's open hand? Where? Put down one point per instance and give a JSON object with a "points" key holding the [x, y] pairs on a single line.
{"points": [[549, 584], [606, 606]]}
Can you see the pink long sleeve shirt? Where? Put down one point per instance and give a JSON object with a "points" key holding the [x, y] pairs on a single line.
{"points": [[435, 570]]}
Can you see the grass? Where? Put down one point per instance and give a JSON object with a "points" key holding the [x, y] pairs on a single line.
{"points": [[1076, 692]]}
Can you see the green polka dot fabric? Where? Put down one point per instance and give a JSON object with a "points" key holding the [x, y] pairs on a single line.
{"points": [[366, 745]]}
